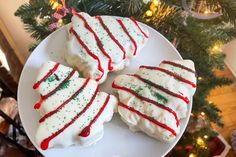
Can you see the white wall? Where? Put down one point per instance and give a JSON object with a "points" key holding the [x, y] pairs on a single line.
{"points": [[230, 60], [15, 27]]}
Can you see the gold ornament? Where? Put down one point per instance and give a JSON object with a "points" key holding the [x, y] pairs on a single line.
{"points": [[200, 142]]}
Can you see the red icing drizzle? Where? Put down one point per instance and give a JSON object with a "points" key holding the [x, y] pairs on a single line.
{"points": [[89, 52], [130, 37], [44, 144], [51, 71], [135, 22], [43, 97], [99, 43], [179, 65], [171, 74], [64, 103], [111, 36], [86, 131], [148, 100], [38, 104], [164, 126], [185, 99]]}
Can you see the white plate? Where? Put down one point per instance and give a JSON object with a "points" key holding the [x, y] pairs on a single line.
{"points": [[118, 140]]}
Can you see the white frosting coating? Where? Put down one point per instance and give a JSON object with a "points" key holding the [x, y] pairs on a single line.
{"points": [[184, 74], [146, 90], [59, 119], [78, 57]]}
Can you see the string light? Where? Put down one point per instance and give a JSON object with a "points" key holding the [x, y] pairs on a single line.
{"points": [[199, 78], [156, 2], [217, 47], [203, 113], [55, 5], [153, 8], [60, 22], [192, 155], [205, 136], [149, 13], [47, 17], [206, 12], [200, 142]]}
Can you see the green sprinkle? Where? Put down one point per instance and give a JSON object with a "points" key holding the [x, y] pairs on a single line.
{"points": [[65, 85], [151, 117], [139, 90], [51, 78], [160, 97]]}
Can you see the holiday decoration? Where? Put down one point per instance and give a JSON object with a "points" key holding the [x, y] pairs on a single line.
{"points": [[219, 147], [195, 39], [197, 122], [200, 10]]}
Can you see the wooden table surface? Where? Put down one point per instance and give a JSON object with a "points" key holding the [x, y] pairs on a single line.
{"points": [[225, 98]]}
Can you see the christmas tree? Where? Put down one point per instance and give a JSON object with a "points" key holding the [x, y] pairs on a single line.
{"points": [[197, 28]]}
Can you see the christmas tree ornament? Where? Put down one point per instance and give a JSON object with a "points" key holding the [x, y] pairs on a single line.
{"points": [[219, 147], [196, 123], [200, 10]]}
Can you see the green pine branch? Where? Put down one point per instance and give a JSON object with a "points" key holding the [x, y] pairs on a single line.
{"points": [[32, 15], [108, 7], [228, 9]]}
